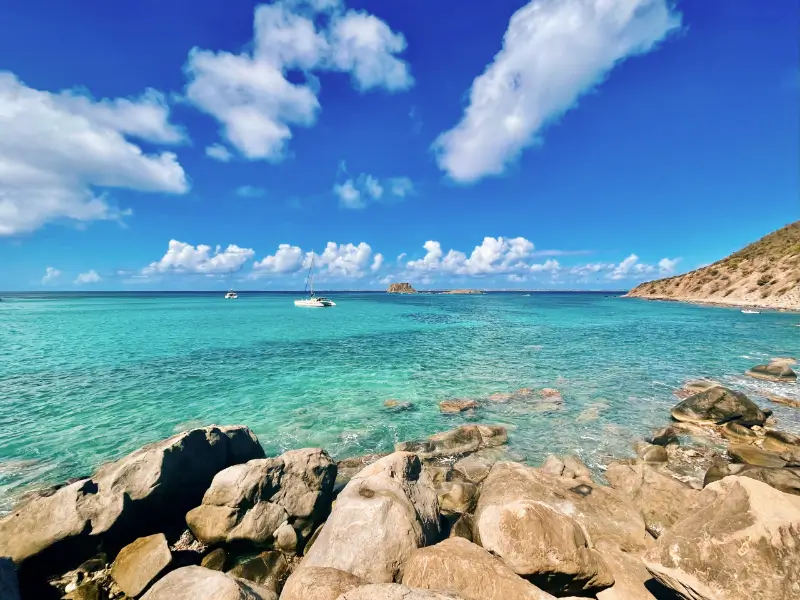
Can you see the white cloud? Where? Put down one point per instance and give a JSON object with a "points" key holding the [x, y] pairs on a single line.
{"points": [[345, 260], [551, 265], [287, 259], [219, 152], [250, 191], [186, 259], [624, 267], [493, 256], [356, 193], [377, 262], [666, 266], [58, 149], [591, 268], [250, 95], [50, 275], [553, 52], [89, 277]]}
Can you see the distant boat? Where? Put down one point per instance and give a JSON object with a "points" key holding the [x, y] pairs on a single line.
{"points": [[231, 295], [751, 312], [313, 301]]}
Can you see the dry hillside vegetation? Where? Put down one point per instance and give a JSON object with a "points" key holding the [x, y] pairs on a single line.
{"points": [[766, 273]]}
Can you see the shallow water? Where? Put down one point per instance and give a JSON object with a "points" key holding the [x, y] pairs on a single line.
{"points": [[88, 378]]}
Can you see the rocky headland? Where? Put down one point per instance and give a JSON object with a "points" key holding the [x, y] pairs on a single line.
{"points": [[707, 508], [765, 274], [400, 288]]}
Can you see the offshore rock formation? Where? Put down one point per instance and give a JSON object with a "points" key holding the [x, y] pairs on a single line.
{"points": [[401, 288], [464, 291], [764, 274]]}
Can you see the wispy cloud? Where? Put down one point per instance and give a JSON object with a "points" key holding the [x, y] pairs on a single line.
{"points": [[250, 191]]}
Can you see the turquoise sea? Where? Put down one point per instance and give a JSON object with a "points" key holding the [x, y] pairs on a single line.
{"points": [[88, 378]]}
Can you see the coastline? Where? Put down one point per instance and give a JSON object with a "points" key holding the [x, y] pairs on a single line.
{"points": [[449, 495], [719, 302]]}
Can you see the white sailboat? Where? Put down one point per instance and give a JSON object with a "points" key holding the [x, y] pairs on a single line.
{"points": [[231, 295], [313, 301]]}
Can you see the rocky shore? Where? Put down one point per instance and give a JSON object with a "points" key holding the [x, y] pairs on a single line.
{"points": [[708, 509]]}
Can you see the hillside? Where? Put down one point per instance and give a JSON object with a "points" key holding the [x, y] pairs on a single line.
{"points": [[764, 274]]}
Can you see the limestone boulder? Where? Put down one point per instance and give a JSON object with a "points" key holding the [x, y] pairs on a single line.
{"points": [[319, 583], [716, 405], [662, 499], [140, 563], [545, 546], [776, 370], [143, 493], [743, 543], [268, 570], [469, 570], [394, 591], [752, 455], [604, 513], [250, 502], [197, 583], [385, 513], [456, 442]]}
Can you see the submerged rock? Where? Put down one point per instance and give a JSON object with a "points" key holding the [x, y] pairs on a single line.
{"points": [[250, 502], [462, 440], [662, 499], [397, 405], [718, 404], [690, 388], [457, 406], [142, 493], [319, 583], [197, 583], [743, 543], [776, 370], [467, 569], [140, 563], [385, 513], [783, 400]]}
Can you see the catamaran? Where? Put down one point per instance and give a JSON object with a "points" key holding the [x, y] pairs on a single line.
{"points": [[231, 295], [313, 301]]}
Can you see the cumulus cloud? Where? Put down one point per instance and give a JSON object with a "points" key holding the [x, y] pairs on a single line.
{"points": [[251, 95], [493, 256], [345, 260], [89, 277], [50, 275], [183, 258], [57, 150], [287, 259], [377, 262], [219, 152], [358, 192], [553, 52], [666, 266], [250, 191]]}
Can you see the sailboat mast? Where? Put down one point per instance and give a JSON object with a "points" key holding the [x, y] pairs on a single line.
{"points": [[311, 275]]}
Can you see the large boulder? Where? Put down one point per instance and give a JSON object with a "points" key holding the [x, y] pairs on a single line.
{"points": [[394, 591], [145, 492], [777, 370], [459, 565], [319, 583], [140, 563], [385, 513], [662, 499], [785, 480], [718, 404], [456, 497], [546, 546], [751, 455], [197, 583], [631, 578], [474, 468], [603, 512], [456, 442], [743, 543], [249, 502]]}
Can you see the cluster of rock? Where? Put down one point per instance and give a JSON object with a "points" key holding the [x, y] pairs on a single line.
{"points": [[543, 400], [205, 515], [400, 288]]}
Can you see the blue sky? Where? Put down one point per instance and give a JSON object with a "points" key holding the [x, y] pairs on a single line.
{"points": [[544, 144]]}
